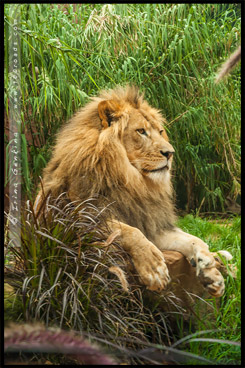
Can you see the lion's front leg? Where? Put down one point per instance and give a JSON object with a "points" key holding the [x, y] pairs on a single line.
{"points": [[198, 254], [147, 258]]}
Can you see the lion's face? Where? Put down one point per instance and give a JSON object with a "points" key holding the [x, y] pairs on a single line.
{"points": [[147, 146]]}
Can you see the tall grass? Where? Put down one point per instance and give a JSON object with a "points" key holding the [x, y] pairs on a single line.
{"points": [[171, 51]]}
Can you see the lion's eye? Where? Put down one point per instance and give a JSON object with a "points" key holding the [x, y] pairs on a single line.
{"points": [[161, 131], [142, 131]]}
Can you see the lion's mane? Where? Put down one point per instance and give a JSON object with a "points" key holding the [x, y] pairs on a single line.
{"points": [[91, 161]]}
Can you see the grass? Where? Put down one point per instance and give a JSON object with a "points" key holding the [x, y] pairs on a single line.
{"points": [[63, 276], [171, 51]]}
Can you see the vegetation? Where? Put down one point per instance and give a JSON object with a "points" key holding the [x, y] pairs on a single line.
{"points": [[68, 271], [171, 51]]}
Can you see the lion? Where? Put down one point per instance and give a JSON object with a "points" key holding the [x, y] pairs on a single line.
{"points": [[116, 147]]}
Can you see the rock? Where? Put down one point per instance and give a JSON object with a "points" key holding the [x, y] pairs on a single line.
{"points": [[183, 275], [185, 287]]}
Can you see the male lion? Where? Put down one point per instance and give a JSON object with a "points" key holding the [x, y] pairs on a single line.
{"points": [[116, 147]]}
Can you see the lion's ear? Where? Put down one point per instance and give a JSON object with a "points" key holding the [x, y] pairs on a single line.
{"points": [[108, 110]]}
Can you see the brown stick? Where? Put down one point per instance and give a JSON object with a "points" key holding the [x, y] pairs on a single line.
{"points": [[229, 65]]}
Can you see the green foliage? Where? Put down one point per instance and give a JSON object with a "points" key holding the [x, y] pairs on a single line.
{"points": [[171, 51]]}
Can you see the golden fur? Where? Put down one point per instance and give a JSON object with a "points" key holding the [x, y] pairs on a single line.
{"points": [[91, 159], [116, 148]]}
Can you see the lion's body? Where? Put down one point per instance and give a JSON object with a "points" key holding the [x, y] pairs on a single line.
{"points": [[116, 148], [89, 160]]}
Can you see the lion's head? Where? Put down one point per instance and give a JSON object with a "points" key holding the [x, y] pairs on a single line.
{"points": [[117, 147]]}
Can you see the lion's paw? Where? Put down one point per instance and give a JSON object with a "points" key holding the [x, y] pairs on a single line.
{"points": [[207, 273], [213, 281], [203, 259], [152, 270]]}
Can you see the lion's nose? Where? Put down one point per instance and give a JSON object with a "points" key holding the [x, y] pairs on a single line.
{"points": [[167, 154]]}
